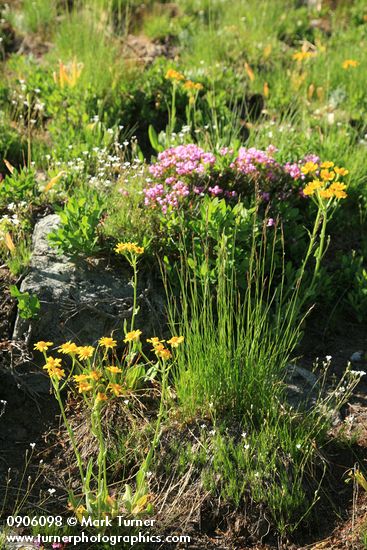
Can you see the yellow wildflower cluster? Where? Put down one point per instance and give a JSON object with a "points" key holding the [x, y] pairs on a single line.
{"points": [[350, 64], [159, 348], [302, 56], [326, 182], [122, 248], [86, 380], [188, 85], [53, 368], [97, 381], [171, 74]]}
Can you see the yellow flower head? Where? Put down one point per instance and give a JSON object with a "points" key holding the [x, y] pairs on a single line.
{"points": [[42, 346], [340, 194], [312, 186], [338, 189], [80, 512], [133, 336], [111, 501], [53, 368], [54, 372], [341, 171], [81, 378], [175, 341], [95, 375], [101, 397], [85, 352], [116, 389], [327, 164], [350, 63], [122, 248], [190, 85], [68, 347], [326, 193], [171, 74], [84, 387], [309, 167], [114, 370], [154, 340], [163, 353], [301, 56], [326, 175], [338, 186], [53, 362], [107, 342]]}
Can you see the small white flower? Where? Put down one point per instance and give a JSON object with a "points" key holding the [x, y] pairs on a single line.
{"points": [[298, 446], [32, 445], [357, 372], [212, 432], [203, 426], [246, 446], [244, 435], [51, 491], [126, 401], [328, 357]]}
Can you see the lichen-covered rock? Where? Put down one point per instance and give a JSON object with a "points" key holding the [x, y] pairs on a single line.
{"points": [[82, 300]]}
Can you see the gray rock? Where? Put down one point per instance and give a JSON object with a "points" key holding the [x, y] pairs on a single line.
{"points": [[302, 387], [82, 300], [303, 393], [358, 357]]}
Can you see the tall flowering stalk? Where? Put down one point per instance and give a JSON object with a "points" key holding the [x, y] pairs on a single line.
{"points": [[132, 251], [325, 189], [175, 77], [98, 375]]}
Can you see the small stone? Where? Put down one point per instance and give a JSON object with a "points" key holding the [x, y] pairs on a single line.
{"points": [[358, 357]]}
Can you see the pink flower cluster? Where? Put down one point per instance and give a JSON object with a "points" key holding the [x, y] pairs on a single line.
{"points": [[158, 194], [173, 164], [183, 160], [253, 161], [293, 169], [187, 170]]}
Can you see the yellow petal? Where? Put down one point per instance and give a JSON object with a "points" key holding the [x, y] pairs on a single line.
{"points": [[250, 72], [9, 242], [53, 181], [9, 166]]}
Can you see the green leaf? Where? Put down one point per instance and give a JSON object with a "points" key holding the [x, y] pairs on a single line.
{"points": [[153, 138]]}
